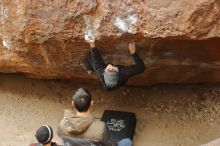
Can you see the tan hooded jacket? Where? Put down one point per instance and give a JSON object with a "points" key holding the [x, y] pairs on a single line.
{"points": [[88, 128]]}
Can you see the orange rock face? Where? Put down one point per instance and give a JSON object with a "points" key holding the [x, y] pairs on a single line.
{"points": [[179, 41]]}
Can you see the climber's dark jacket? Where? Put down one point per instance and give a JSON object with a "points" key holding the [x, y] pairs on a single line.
{"points": [[95, 63]]}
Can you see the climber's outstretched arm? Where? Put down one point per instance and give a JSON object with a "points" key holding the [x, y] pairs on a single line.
{"points": [[139, 66], [95, 59]]}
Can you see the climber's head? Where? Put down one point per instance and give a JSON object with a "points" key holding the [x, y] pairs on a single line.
{"points": [[111, 76]]}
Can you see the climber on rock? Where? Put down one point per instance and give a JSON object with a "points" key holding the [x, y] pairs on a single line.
{"points": [[112, 76]]}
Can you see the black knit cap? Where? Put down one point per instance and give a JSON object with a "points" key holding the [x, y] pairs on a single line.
{"points": [[111, 79], [44, 134]]}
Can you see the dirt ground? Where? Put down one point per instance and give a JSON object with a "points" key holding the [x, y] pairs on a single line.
{"points": [[168, 115]]}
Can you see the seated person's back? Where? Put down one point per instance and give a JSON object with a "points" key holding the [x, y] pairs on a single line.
{"points": [[83, 125]]}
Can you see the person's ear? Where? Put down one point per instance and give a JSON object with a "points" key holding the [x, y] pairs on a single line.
{"points": [[92, 103], [73, 103]]}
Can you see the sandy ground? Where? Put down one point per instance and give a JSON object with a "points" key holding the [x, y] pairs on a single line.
{"points": [[168, 115]]}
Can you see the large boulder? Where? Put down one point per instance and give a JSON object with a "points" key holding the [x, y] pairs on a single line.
{"points": [[179, 41]]}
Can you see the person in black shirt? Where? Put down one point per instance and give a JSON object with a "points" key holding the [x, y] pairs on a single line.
{"points": [[112, 76]]}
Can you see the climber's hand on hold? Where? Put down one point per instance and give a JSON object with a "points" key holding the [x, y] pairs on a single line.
{"points": [[92, 44], [132, 47], [90, 39]]}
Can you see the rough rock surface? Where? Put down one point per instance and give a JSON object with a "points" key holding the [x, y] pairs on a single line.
{"points": [[178, 40]]}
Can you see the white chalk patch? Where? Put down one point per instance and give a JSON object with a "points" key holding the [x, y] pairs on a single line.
{"points": [[5, 13], [91, 28], [121, 24], [127, 24], [133, 19], [6, 44], [89, 37]]}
